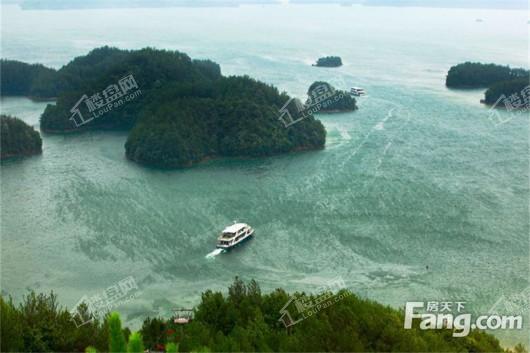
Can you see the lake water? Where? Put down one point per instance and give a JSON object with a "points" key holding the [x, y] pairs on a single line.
{"points": [[418, 195]]}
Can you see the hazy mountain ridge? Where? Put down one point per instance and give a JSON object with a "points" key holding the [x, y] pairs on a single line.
{"points": [[92, 4], [488, 4]]}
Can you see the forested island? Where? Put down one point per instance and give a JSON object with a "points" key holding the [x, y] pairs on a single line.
{"points": [[509, 89], [18, 139], [499, 80], [187, 110], [329, 99], [243, 320], [329, 61], [478, 75], [21, 79]]}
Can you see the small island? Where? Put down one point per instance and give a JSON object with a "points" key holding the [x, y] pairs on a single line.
{"points": [[179, 111], [18, 139], [500, 81], [329, 61], [326, 99], [478, 75]]}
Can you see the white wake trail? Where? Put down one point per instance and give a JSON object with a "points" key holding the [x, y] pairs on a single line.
{"points": [[214, 253]]}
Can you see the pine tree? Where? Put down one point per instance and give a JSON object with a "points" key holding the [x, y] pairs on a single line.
{"points": [[136, 344], [116, 338]]}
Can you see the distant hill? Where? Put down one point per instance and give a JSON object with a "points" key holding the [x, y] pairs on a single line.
{"points": [[481, 4], [22, 79], [94, 4]]}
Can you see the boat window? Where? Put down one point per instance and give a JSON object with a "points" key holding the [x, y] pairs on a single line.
{"points": [[228, 235]]}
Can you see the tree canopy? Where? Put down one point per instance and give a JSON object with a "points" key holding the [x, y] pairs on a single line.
{"points": [[18, 138], [328, 99], [21, 79], [478, 75], [329, 61], [241, 320], [509, 89]]}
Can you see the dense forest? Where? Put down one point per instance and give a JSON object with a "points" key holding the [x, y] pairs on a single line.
{"points": [[515, 89], [329, 61], [243, 320], [186, 112], [330, 100], [21, 79], [18, 138]]}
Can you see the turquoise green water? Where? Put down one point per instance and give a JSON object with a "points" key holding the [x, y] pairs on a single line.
{"points": [[418, 176]]}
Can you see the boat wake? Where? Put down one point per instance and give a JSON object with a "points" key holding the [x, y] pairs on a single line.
{"points": [[214, 253]]}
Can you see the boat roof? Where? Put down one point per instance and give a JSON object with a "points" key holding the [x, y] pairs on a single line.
{"points": [[234, 227]]}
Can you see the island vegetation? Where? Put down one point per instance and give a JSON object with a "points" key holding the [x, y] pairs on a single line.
{"points": [[500, 81], [22, 79], [478, 75], [18, 139], [517, 91], [242, 320], [329, 61], [328, 99], [187, 111]]}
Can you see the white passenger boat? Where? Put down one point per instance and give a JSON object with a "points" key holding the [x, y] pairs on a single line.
{"points": [[234, 235], [357, 91]]}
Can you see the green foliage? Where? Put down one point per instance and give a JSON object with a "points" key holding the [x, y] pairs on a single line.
{"points": [[18, 138], [171, 348], [244, 320], [116, 338], [21, 79], [507, 88], [478, 75], [338, 101], [211, 70], [11, 327], [90, 349], [154, 332], [329, 61], [135, 344], [184, 132], [519, 348], [39, 324]]}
